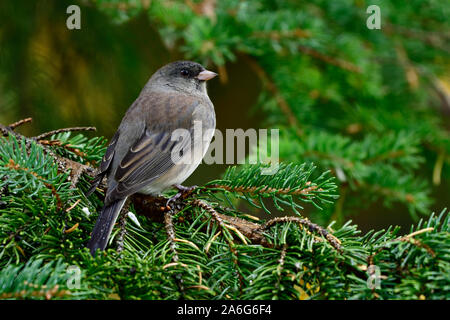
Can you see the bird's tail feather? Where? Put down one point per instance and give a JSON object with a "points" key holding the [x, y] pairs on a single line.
{"points": [[104, 225]]}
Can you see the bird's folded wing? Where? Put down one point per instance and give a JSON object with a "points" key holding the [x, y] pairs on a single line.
{"points": [[154, 152], [104, 165], [109, 154], [146, 161]]}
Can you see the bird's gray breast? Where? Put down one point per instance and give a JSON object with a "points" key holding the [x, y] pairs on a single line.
{"points": [[202, 131]]}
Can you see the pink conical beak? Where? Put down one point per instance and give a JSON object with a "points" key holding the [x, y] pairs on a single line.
{"points": [[206, 75]]}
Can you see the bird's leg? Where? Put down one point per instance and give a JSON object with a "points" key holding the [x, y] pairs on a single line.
{"points": [[183, 192], [184, 189]]}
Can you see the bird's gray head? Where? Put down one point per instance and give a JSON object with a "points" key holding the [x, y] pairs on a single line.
{"points": [[187, 76]]}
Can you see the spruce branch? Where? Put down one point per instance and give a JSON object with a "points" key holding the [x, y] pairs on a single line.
{"points": [[37, 280], [220, 252], [224, 229], [170, 230], [362, 115], [290, 183], [17, 167], [280, 267], [408, 238], [122, 223], [75, 168], [277, 35], [437, 40], [334, 242]]}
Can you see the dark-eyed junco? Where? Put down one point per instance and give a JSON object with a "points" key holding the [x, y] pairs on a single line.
{"points": [[140, 157]]}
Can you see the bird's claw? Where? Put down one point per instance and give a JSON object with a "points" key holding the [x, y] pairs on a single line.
{"points": [[183, 192]]}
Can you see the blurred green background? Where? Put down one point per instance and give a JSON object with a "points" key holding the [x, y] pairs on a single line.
{"points": [[89, 77]]}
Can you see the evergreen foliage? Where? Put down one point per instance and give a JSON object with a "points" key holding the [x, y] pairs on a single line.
{"points": [[362, 121], [44, 228]]}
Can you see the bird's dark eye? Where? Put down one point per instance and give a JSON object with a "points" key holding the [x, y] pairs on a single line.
{"points": [[184, 72]]}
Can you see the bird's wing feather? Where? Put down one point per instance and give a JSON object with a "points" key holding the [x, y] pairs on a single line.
{"points": [[151, 155], [105, 164], [109, 154]]}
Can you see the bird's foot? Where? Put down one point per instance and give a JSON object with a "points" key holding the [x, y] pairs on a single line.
{"points": [[183, 192]]}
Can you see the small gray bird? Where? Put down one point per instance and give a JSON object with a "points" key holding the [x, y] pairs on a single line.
{"points": [[140, 156]]}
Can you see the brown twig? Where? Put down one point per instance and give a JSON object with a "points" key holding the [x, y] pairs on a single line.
{"points": [[408, 197], [280, 34], [41, 291], [5, 130], [215, 215], [205, 8], [434, 39], [154, 207], [73, 206], [122, 224], [249, 229], [12, 165], [329, 59], [170, 230], [410, 238], [335, 243], [385, 156], [72, 229], [19, 123], [265, 189], [76, 168]]}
